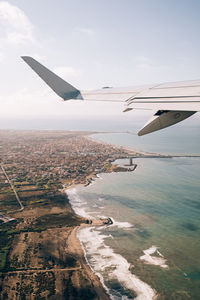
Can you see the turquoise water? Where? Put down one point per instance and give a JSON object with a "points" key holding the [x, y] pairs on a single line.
{"points": [[156, 205]]}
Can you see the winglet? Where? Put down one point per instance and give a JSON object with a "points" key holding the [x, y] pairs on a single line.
{"points": [[62, 88]]}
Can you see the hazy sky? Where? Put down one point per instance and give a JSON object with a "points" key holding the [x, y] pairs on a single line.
{"points": [[93, 43]]}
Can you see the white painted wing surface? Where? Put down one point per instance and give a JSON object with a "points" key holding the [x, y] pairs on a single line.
{"points": [[171, 102], [183, 95]]}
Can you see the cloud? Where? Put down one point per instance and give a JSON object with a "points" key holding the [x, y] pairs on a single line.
{"points": [[86, 31], [15, 25]]}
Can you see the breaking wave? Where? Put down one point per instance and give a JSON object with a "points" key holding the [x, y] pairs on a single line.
{"points": [[154, 260], [78, 205], [112, 267]]}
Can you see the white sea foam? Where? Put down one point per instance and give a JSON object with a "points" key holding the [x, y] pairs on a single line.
{"points": [[110, 236], [103, 261], [101, 199], [77, 203], [111, 266], [121, 224], [154, 260]]}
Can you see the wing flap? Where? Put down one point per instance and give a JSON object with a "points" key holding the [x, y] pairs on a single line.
{"points": [[163, 119]]}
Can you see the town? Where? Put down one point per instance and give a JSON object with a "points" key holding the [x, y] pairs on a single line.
{"points": [[48, 159]]}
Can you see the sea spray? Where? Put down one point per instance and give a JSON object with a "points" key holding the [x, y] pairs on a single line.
{"points": [[123, 225]]}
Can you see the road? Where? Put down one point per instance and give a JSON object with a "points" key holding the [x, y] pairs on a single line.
{"points": [[27, 271], [12, 187]]}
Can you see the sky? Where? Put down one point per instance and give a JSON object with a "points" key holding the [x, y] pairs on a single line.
{"points": [[92, 44]]}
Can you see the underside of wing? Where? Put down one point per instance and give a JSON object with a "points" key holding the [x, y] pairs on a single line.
{"points": [[163, 119]]}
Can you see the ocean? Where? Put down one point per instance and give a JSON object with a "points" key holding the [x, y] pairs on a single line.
{"points": [[152, 250]]}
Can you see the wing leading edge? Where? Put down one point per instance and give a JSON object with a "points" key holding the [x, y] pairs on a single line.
{"points": [[171, 102]]}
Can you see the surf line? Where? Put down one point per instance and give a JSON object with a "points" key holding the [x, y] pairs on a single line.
{"points": [[105, 263], [102, 260]]}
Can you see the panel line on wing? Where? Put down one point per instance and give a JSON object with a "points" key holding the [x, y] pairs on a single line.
{"points": [[167, 97]]}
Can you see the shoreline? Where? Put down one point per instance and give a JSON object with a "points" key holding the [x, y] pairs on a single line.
{"points": [[93, 176], [77, 248], [96, 278], [76, 243], [140, 153], [140, 288]]}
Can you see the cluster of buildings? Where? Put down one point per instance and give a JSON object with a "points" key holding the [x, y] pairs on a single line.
{"points": [[53, 158]]}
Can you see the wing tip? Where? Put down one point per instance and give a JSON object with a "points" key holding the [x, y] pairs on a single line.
{"points": [[140, 133], [25, 57]]}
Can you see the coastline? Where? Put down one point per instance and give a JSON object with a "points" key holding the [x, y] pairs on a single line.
{"points": [[75, 247], [48, 225], [93, 176], [34, 245], [151, 255], [75, 242], [143, 154], [129, 149], [140, 289]]}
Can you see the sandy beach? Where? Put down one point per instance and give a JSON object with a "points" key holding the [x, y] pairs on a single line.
{"points": [[76, 249]]}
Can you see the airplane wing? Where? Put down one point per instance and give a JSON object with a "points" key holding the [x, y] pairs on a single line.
{"points": [[171, 102]]}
